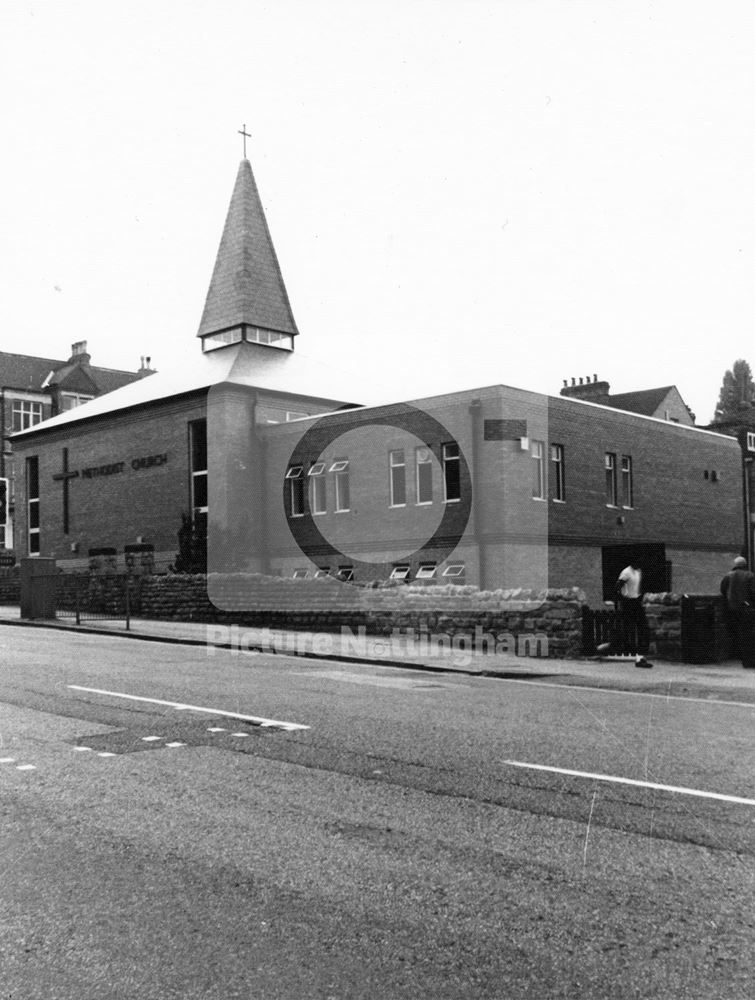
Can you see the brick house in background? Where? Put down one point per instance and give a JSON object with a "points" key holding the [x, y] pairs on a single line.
{"points": [[301, 469], [664, 403], [33, 389]]}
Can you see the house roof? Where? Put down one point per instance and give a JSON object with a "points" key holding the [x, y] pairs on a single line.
{"points": [[20, 371], [644, 401], [246, 285], [24, 372]]}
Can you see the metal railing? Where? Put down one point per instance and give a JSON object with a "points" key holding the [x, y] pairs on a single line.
{"points": [[97, 596]]}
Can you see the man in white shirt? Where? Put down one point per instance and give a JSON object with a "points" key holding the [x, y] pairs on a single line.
{"points": [[634, 626]]}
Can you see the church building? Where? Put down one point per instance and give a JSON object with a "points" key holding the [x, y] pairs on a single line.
{"points": [[293, 468]]}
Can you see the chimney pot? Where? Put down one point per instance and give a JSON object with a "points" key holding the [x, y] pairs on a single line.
{"points": [[573, 381]]}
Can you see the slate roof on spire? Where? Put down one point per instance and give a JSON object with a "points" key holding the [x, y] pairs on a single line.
{"points": [[247, 285]]}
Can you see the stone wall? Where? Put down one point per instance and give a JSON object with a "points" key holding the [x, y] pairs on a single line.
{"points": [[664, 615], [547, 623]]}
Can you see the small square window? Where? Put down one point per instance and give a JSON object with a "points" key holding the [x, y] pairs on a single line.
{"points": [[294, 472], [317, 469]]}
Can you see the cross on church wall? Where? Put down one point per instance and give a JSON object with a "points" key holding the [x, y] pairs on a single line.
{"points": [[65, 478]]}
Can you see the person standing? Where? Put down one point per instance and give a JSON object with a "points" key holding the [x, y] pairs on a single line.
{"points": [[635, 635], [738, 589]]}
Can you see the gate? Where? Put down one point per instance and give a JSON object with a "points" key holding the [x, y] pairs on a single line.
{"points": [[604, 626], [96, 596]]}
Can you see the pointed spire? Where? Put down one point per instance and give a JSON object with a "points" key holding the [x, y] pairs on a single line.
{"points": [[246, 289]]}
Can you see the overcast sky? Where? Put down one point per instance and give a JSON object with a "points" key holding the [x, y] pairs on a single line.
{"points": [[461, 192]]}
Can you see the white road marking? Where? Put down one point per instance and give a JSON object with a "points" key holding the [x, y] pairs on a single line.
{"points": [[150, 739], [221, 729], [105, 753], [678, 789], [242, 735], [180, 706], [7, 760], [81, 749], [175, 744], [26, 767]]}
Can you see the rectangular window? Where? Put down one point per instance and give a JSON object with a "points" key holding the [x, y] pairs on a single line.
{"points": [[455, 571], [398, 478], [426, 571], [537, 451], [424, 461], [32, 505], [400, 572], [558, 472], [70, 400], [318, 501], [340, 470], [321, 572], [611, 484], [296, 483], [451, 473], [751, 440], [198, 456], [25, 414], [346, 573], [627, 485], [301, 574]]}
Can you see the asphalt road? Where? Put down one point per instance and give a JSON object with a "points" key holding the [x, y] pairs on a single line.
{"points": [[419, 839]]}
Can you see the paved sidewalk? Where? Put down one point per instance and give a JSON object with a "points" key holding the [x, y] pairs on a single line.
{"points": [[719, 681]]}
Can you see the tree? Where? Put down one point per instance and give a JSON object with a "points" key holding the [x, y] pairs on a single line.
{"points": [[735, 401]]}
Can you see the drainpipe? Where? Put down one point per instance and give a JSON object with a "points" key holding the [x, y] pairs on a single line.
{"points": [[475, 412], [260, 445]]}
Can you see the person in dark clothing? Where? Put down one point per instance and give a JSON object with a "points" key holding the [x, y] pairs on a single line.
{"points": [[738, 589]]}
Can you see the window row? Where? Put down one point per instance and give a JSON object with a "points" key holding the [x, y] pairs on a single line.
{"points": [[423, 475], [400, 572], [619, 481], [312, 482]]}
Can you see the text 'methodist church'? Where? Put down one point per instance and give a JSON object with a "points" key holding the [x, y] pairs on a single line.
{"points": [[298, 469]]}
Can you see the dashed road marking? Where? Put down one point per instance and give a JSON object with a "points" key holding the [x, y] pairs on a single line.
{"points": [[676, 789], [81, 749], [26, 767], [242, 735], [220, 729], [150, 739], [7, 760], [106, 753], [181, 707], [176, 743]]}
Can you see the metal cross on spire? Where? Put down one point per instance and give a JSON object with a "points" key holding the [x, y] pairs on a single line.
{"points": [[246, 135]]}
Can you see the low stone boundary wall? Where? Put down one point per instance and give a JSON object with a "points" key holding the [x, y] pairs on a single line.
{"points": [[545, 623], [664, 615]]}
